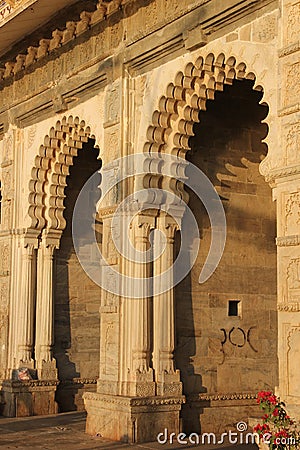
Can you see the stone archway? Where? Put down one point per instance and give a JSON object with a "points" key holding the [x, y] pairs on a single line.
{"points": [[32, 295], [173, 123], [50, 171], [178, 110], [170, 132], [46, 200]]}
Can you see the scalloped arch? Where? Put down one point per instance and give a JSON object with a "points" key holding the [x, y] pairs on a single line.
{"points": [[51, 168], [178, 110]]}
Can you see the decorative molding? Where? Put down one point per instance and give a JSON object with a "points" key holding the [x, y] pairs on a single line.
{"points": [[289, 307], [232, 14], [221, 397], [283, 172], [287, 241], [78, 381], [32, 112], [285, 51], [134, 401], [73, 29], [107, 211], [289, 110], [14, 384], [144, 62], [14, 3], [194, 38], [5, 10], [94, 83]]}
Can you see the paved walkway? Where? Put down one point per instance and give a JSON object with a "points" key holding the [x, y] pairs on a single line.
{"points": [[66, 432]]}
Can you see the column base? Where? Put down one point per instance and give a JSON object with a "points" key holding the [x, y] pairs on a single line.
{"points": [[47, 370], [27, 364], [28, 398], [169, 384], [131, 419]]}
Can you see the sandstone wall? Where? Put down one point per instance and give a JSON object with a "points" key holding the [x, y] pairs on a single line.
{"points": [[112, 76], [218, 353]]}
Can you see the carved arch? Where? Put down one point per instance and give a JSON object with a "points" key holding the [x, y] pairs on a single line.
{"points": [[51, 168], [178, 110]]}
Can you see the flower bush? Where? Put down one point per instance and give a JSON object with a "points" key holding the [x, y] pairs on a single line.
{"points": [[277, 430]]}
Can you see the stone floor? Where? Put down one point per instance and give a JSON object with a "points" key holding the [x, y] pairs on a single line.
{"points": [[66, 432]]}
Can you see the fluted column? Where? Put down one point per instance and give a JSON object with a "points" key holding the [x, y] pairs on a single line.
{"points": [[25, 308], [141, 377], [45, 363], [166, 377], [140, 306]]}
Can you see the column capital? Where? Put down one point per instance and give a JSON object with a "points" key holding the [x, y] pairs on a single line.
{"points": [[51, 239], [142, 225], [168, 225], [30, 239]]}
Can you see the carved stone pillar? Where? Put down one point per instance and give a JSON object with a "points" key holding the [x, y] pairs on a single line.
{"points": [[141, 376], [166, 377], [45, 363], [137, 414], [109, 364], [25, 309], [32, 397]]}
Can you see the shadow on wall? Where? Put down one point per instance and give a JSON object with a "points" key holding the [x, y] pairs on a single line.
{"points": [[227, 147], [77, 298]]}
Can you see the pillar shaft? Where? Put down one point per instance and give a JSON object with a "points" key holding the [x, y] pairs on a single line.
{"points": [[26, 308], [166, 377], [140, 306], [44, 328], [163, 310], [45, 310], [139, 380]]}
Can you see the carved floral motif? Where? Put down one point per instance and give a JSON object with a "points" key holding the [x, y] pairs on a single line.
{"points": [[293, 143], [31, 132], [292, 83], [112, 105], [292, 214], [293, 279], [293, 23], [293, 344], [4, 258], [265, 29]]}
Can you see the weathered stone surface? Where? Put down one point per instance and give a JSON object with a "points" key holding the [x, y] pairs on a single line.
{"points": [[216, 84], [128, 419]]}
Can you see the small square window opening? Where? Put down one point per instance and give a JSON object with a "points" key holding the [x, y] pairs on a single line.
{"points": [[234, 308]]}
